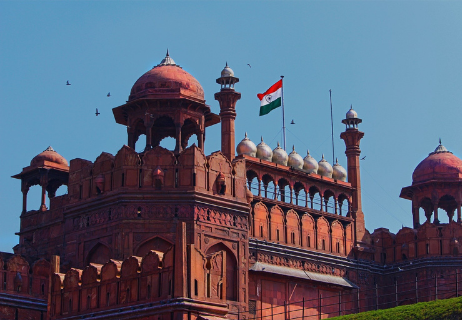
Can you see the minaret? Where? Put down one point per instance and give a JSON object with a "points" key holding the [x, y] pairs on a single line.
{"points": [[352, 137], [227, 98]]}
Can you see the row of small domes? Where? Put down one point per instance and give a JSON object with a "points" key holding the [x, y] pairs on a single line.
{"points": [[279, 156]]}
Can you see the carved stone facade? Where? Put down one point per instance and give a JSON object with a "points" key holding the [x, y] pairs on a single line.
{"points": [[176, 234]]}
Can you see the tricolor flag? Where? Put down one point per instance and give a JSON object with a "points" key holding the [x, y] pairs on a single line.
{"points": [[271, 99]]}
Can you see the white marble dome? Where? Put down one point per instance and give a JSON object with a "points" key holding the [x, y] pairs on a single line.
{"points": [[310, 165], [247, 147], [264, 151], [280, 156], [295, 160], [324, 168]]}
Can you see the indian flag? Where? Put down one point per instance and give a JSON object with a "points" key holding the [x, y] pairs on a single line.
{"points": [[271, 99]]}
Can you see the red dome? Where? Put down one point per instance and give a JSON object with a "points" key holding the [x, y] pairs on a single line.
{"points": [[439, 165], [49, 155], [167, 80]]}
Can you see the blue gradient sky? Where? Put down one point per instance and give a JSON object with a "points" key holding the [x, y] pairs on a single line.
{"points": [[397, 62]]}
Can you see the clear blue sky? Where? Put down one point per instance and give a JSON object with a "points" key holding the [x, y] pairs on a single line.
{"points": [[397, 62]]}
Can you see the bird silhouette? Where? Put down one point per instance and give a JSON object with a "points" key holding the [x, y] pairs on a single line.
{"points": [[97, 112], [67, 83], [363, 158], [249, 65], [108, 94]]}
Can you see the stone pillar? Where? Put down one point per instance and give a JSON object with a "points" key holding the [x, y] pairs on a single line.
{"points": [[25, 190], [200, 141], [43, 206], [435, 214], [458, 212], [178, 147], [149, 136], [415, 216]]}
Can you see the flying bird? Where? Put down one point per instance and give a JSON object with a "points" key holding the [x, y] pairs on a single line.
{"points": [[363, 158], [108, 94], [249, 65], [67, 83], [97, 112]]}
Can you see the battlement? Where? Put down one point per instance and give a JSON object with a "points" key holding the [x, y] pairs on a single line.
{"points": [[100, 287], [157, 170], [427, 241]]}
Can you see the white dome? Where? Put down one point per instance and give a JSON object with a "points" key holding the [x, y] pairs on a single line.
{"points": [[339, 172], [310, 165], [295, 160], [324, 168], [247, 147], [280, 156], [351, 114], [264, 151], [227, 72]]}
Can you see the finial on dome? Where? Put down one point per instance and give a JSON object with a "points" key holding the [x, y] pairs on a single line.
{"points": [[336, 160], [261, 138], [278, 145], [246, 135], [50, 148], [167, 61], [440, 141], [307, 152], [226, 63], [323, 157], [293, 147]]}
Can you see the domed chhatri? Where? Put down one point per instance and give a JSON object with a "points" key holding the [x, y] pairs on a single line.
{"points": [[339, 172], [351, 121], [310, 165], [351, 114], [264, 151], [247, 147], [324, 168], [295, 160], [280, 156], [439, 165], [227, 71], [167, 80], [50, 155]]}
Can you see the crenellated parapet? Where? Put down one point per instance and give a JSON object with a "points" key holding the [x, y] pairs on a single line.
{"points": [[21, 278], [429, 241], [102, 287], [156, 170]]}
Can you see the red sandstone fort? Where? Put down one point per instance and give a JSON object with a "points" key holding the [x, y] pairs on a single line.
{"points": [[247, 232]]}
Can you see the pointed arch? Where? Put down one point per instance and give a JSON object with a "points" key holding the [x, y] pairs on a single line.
{"points": [[277, 226], [323, 234], [338, 237], [231, 269], [260, 221], [100, 254], [293, 227], [155, 243], [308, 231]]}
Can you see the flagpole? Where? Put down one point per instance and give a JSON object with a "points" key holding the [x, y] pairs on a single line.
{"points": [[283, 119], [332, 126]]}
